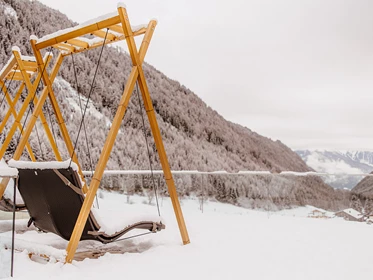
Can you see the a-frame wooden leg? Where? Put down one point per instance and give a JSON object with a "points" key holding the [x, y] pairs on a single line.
{"points": [[12, 110], [32, 89], [65, 134], [96, 179], [105, 154], [153, 124], [135, 74], [15, 126], [19, 117], [31, 123], [15, 100]]}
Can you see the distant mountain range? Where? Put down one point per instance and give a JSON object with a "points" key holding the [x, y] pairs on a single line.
{"points": [[343, 162]]}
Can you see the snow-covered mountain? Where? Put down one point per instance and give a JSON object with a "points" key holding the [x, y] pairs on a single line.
{"points": [[339, 162]]}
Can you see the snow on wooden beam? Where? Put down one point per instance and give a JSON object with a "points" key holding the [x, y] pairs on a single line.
{"points": [[117, 28], [102, 35], [64, 47], [72, 36], [77, 31], [78, 43]]}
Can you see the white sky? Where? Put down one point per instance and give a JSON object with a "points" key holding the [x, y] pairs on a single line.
{"points": [[297, 71]]}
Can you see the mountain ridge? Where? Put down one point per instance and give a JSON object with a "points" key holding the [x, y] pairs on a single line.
{"points": [[339, 162]]}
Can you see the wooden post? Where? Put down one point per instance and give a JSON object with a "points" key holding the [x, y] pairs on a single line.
{"points": [[65, 134], [153, 121], [104, 157]]}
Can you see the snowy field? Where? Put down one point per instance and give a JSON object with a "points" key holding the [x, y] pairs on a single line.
{"points": [[227, 242]]}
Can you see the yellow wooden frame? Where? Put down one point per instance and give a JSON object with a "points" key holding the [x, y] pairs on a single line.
{"points": [[73, 41], [21, 69]]}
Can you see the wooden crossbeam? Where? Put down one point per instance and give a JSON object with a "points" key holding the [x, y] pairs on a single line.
{"points": [[9, 67], [30, 69], [30, 64], [88, 29], [139, 32], [78, 43], [102, 34], [12, 111], [117, 28], [17, 76], [64, 47], [9, 112]]}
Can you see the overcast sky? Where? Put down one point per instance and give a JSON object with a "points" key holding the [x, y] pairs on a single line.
{"points": [[297, 71]]}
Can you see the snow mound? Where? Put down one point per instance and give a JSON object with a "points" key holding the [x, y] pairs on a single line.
{"points": [[227, 242]]}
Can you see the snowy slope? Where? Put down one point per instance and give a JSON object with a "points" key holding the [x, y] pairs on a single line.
{"points": [[8, 10], [344, 162], [227, 242], [79, 102]]}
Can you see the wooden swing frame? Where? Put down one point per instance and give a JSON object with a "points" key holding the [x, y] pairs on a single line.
{"points": [[72, 41], [21, 68]]}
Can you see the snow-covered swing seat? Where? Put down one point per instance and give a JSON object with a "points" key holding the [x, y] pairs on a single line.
{"points": [[52, 193]]}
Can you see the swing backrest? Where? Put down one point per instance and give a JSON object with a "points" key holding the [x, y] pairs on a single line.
{"points": [[53, 206]]}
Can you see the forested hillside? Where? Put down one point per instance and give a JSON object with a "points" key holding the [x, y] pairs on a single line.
{"points": [[364, 189], [195, 136]]}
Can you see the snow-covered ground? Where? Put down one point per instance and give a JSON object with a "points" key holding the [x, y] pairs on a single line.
{"points": [[227, 242]]}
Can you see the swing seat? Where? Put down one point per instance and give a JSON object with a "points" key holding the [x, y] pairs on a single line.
{"points": [[54, 197]]}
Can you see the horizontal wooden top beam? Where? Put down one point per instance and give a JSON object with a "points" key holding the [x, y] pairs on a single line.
{"points": [[16, 75], [74, 32], [11, 70], [79, 38]]}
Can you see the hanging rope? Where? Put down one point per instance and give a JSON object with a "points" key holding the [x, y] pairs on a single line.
{"points": [[89, 97], [8, 86], [147, 147], [84, 127], [32, 101], [81, 111], [132, 236]]}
